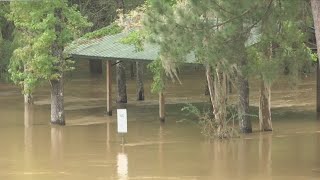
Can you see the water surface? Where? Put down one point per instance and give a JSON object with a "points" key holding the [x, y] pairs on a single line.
{"points": [[88, 147]]}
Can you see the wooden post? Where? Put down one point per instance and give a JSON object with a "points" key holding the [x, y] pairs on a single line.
{"points": [[161, 107], [109, 88], [139, 81]]}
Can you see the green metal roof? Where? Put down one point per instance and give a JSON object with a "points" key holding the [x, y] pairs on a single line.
{"points": [[110, 47]]}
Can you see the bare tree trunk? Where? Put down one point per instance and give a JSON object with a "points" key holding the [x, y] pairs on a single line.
{"points": [[265, 107], [315, 4], [121, 83], [243, 91], [210, 87], [220, 100], [243, 107], [140, 88], [57, 106]]}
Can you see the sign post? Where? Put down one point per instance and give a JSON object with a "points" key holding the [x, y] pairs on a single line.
{"points": [[122, 123]]}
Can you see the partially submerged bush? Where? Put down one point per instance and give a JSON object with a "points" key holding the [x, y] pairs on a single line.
{"points": [[210, 127]]}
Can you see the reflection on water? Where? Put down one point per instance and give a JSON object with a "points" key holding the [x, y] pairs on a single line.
{"points": [[57, 145], [265, 155], [28, 115], [122, 166], [90, 148]]}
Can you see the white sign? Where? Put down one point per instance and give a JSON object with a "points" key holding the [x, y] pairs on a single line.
{"points": [[122, 120]]}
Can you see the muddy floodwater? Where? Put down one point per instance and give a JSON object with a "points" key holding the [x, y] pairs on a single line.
{"points": [[88, 147]]}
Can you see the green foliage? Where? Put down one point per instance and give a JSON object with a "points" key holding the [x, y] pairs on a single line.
{"points": [[157, 70], [6, 49], [105, 31], [102, 12], [36, 34], [282, 45], [136, 38], [217, 32]]}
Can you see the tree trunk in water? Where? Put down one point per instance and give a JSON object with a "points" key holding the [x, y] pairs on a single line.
{"points": [[95, 66], [210, 87], [121, 83], [315, 4], [265, 107], [220, 112], [140, 88], [243, 107], [57, 106], [243, 91]]}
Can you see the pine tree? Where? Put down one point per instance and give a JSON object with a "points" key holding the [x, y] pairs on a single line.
{"points": [[231, 38], [281, 47]]}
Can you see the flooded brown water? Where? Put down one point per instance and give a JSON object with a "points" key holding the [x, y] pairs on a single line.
{"points": [[88, 147]]}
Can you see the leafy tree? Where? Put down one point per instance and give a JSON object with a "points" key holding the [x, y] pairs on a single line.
{"points": [[45, 28], [6, 40]]}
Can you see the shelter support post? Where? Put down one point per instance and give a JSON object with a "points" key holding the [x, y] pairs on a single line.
{"points": [[139, 81], [109, 88], [161, 106]]}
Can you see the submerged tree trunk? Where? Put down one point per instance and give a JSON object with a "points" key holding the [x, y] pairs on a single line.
{"points": [[243, 106], [217, 89], [121, 83], [140, 88], [57, 105], [220, 101], [315, 4], [265, 107], [243, 93]]}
